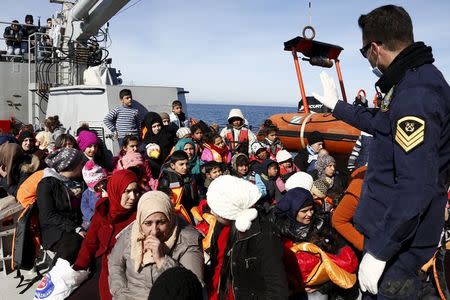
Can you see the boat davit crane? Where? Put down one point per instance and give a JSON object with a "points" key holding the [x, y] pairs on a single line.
{"points": [[294, 128]]}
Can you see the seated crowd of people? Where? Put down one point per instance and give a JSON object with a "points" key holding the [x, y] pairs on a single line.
{"points": [[227, 214]]}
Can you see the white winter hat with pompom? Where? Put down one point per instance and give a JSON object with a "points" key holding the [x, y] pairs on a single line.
{"points": [[232, 198]]}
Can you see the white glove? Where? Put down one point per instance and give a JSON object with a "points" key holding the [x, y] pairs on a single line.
{"points": [[370, 271], [330, 94]]}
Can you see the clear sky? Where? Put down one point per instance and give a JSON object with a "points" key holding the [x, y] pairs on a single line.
{"points": [[231, 51]]}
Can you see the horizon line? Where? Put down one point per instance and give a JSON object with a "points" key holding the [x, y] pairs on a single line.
{"points": [[235, 103]]}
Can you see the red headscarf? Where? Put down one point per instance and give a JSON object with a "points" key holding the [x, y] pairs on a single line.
{"points": [[116, 186]]}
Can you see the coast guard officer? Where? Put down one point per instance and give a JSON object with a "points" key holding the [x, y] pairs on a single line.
{"points": [[401, 211]]}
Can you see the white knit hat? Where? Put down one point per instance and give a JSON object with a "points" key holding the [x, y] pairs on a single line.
{"points": [[299, 179], [232, 198], [182, 132], [256, 146], [93, 174], [283, 155], [235, 113]]}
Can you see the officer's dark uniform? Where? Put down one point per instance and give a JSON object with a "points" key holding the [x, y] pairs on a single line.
{"points": [[401, 211]]}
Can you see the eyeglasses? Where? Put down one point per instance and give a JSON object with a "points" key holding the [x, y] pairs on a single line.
{"points": [[366, 47]]}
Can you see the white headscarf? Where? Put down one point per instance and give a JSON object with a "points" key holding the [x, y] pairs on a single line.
{"points": [[232, 198]]}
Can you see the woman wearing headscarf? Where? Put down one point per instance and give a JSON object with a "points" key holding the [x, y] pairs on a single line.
{"points": [[246, 252], [15, 167], [59, 213], [93, 148], [188, 146], [326, 171], [157, 240], [27, 142], [297, 222], [112, 214], [10, 157], [158, 134]]}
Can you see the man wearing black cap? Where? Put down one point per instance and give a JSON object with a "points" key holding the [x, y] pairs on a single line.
{"points": [[308, 155]]}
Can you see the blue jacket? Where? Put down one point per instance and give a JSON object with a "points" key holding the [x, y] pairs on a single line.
{"points": [[88, 201], [404, 193]]}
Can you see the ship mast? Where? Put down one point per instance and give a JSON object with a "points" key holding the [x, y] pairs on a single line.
{"points": [[76, 46]]}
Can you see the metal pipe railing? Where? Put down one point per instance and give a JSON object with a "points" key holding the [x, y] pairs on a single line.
{"points": [[300, 81]]}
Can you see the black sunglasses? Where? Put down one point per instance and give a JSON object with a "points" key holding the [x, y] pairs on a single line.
{"points": [[364, 49]]}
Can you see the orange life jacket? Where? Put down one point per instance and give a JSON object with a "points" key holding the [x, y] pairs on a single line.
{"points": [[177, 195], [241, 145], [216, 156]]}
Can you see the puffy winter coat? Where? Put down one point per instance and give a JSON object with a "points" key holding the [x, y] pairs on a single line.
{"points": [[126, 283], [256, 270], [99, 241], [56, 214]]}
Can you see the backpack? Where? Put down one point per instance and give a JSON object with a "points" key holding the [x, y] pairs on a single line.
{"points": [[26, 240]]}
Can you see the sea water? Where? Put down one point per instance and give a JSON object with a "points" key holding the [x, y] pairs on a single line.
{"points": [[218, 113]]}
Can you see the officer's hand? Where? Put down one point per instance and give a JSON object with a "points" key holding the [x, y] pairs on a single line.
{"points": [[370, 271], [330, 95]]}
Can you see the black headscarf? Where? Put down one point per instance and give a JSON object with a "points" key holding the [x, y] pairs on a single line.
{"points": [[24, 135], [411, 57], [164, 138]]}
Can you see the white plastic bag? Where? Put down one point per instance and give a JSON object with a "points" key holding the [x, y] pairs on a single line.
{"points": [[59, 282]]}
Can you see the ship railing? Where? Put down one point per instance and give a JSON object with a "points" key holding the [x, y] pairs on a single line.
{"points": [[22, 57]]}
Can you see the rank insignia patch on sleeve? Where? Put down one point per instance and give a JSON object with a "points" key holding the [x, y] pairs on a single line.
{"points": [[410, 132]]}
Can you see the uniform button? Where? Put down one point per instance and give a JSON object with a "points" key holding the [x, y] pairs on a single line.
{"points": [[234, 264]]}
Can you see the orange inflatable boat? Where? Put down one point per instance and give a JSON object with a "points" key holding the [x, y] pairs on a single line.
{"points": [[294, 128]]}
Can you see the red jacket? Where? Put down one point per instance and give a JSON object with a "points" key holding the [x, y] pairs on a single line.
{"points": [[99, 241]]}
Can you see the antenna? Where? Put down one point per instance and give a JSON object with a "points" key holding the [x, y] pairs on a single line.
{"points": [[106, 30], [309, 13], [106, 33]]}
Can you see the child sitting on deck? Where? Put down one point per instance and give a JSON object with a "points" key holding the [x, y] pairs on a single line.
{"points": [[238, 137], [240, 168], [271, 140], [215, 149], [212, 170], [178, 179], [259, 154], [95, 178]]}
